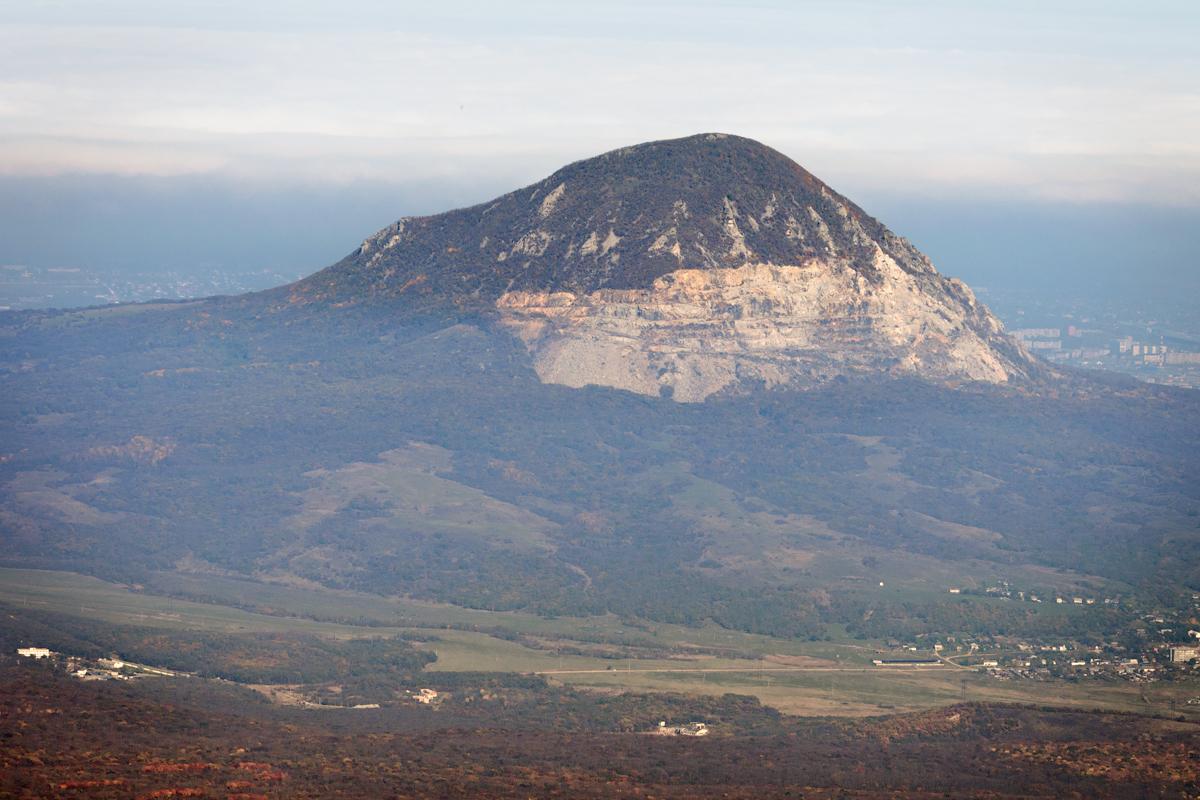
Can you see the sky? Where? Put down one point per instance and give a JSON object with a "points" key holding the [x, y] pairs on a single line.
{"points": [[142, 132]]}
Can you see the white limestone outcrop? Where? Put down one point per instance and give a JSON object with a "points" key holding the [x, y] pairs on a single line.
{"points": [[697, 332]]}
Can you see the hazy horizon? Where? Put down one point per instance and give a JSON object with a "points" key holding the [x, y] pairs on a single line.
{"points": [[193, 224], [671, 475], [132, 131]]}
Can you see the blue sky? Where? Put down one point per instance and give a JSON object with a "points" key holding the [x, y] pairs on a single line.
{"points": [[1065, 104]]}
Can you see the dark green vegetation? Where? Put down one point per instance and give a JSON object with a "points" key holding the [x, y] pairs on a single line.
{"points": [[478, 648], [373, 428], [61, 737], [245, 658], [282, 483], [360, 452]]}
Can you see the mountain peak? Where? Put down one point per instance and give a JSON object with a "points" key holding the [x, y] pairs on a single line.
{"points": [[619, 221], [686, 266]]}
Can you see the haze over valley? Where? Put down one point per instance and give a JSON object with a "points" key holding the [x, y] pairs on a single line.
{"points": [[680, 466]]}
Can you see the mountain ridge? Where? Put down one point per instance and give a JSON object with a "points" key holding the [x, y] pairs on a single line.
{"points": [[686, 267], [704, 169], [441, 450]]}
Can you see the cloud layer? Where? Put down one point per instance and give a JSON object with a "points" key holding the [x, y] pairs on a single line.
{"points": [[1081, 101]]}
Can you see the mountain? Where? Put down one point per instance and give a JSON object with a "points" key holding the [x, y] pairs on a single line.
{"points": [[684, 267], [682, 381]]}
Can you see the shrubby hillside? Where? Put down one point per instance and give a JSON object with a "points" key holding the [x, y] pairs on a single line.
{"points": [[368, 429]]}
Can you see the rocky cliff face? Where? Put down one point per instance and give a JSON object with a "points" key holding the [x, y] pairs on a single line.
{"points": [[686, 267], [697, 332]]}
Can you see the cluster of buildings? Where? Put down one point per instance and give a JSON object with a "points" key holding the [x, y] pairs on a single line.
{"points": [[101, 669], [1130, 669], [1156, 357], [1008, 657], [686, 729], [1155, 354], [1073, 344], [1005, 590], [426, 697], [1050, 343]]}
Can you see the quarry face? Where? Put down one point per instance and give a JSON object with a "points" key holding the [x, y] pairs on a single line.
{"points": [[684, 268], [697, 332]]}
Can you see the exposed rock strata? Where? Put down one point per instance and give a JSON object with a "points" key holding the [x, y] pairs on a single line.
{"points": [[694, 265], [696, 332]]}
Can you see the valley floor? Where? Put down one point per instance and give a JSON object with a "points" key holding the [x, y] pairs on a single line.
{"points": [[600, 654]]}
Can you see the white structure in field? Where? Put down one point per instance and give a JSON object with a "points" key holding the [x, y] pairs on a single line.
{"points": [[688, 729]]}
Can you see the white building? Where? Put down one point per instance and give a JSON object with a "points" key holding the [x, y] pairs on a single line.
{"points": [[1181, 654], [425, 696], [34, 652], [688, 729]]}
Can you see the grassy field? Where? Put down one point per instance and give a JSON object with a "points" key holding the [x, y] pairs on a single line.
{"points": [[831, 677], [83, 596], [405, 485], [321, 603], [866, 691], [457, 650]]}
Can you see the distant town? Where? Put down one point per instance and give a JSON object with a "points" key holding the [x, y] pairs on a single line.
{"points": [[1162, 647], [28, 287], [1156, 342]]}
